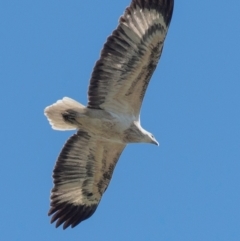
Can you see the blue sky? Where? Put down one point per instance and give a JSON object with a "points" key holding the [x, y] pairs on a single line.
{"points": [[186, 189]]}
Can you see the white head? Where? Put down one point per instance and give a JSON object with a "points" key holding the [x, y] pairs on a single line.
{"points": [[151, 139], [148, 137], [136, 134]]}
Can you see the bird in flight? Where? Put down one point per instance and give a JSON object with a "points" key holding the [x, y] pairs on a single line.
{"points": [[111, 118]]}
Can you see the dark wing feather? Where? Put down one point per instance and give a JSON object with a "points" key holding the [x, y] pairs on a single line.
{"points": [[82, 173], [129, 57]]}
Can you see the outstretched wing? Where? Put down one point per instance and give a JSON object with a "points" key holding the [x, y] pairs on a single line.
{"points": [[129, 57], [82, 173]]}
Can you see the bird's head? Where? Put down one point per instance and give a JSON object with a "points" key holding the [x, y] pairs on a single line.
{"points": [[141, 135], [149, 138], [153, 139]]}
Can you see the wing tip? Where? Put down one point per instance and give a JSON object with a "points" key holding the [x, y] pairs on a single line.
{"points": [[68, 214], [165, 7]]}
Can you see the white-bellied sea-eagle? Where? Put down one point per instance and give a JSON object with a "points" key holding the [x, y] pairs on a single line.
{"points": [[111, 118]]}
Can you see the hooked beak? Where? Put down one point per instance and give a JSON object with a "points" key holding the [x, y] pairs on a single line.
{"points": [[155, 142]]}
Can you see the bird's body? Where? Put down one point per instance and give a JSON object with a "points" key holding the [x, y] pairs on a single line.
{"points": [[111, 119], [106, 126]]}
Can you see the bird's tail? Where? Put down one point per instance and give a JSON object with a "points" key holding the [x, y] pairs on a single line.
{"points": [[56, 113]]}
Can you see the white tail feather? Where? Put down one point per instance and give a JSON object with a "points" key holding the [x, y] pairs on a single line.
{"points": [[54, 113]]}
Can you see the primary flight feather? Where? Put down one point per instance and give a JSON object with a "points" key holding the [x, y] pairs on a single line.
{"points": [[111, 119]]}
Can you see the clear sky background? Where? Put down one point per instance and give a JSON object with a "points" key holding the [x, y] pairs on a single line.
{"points": [[188, 189]]}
